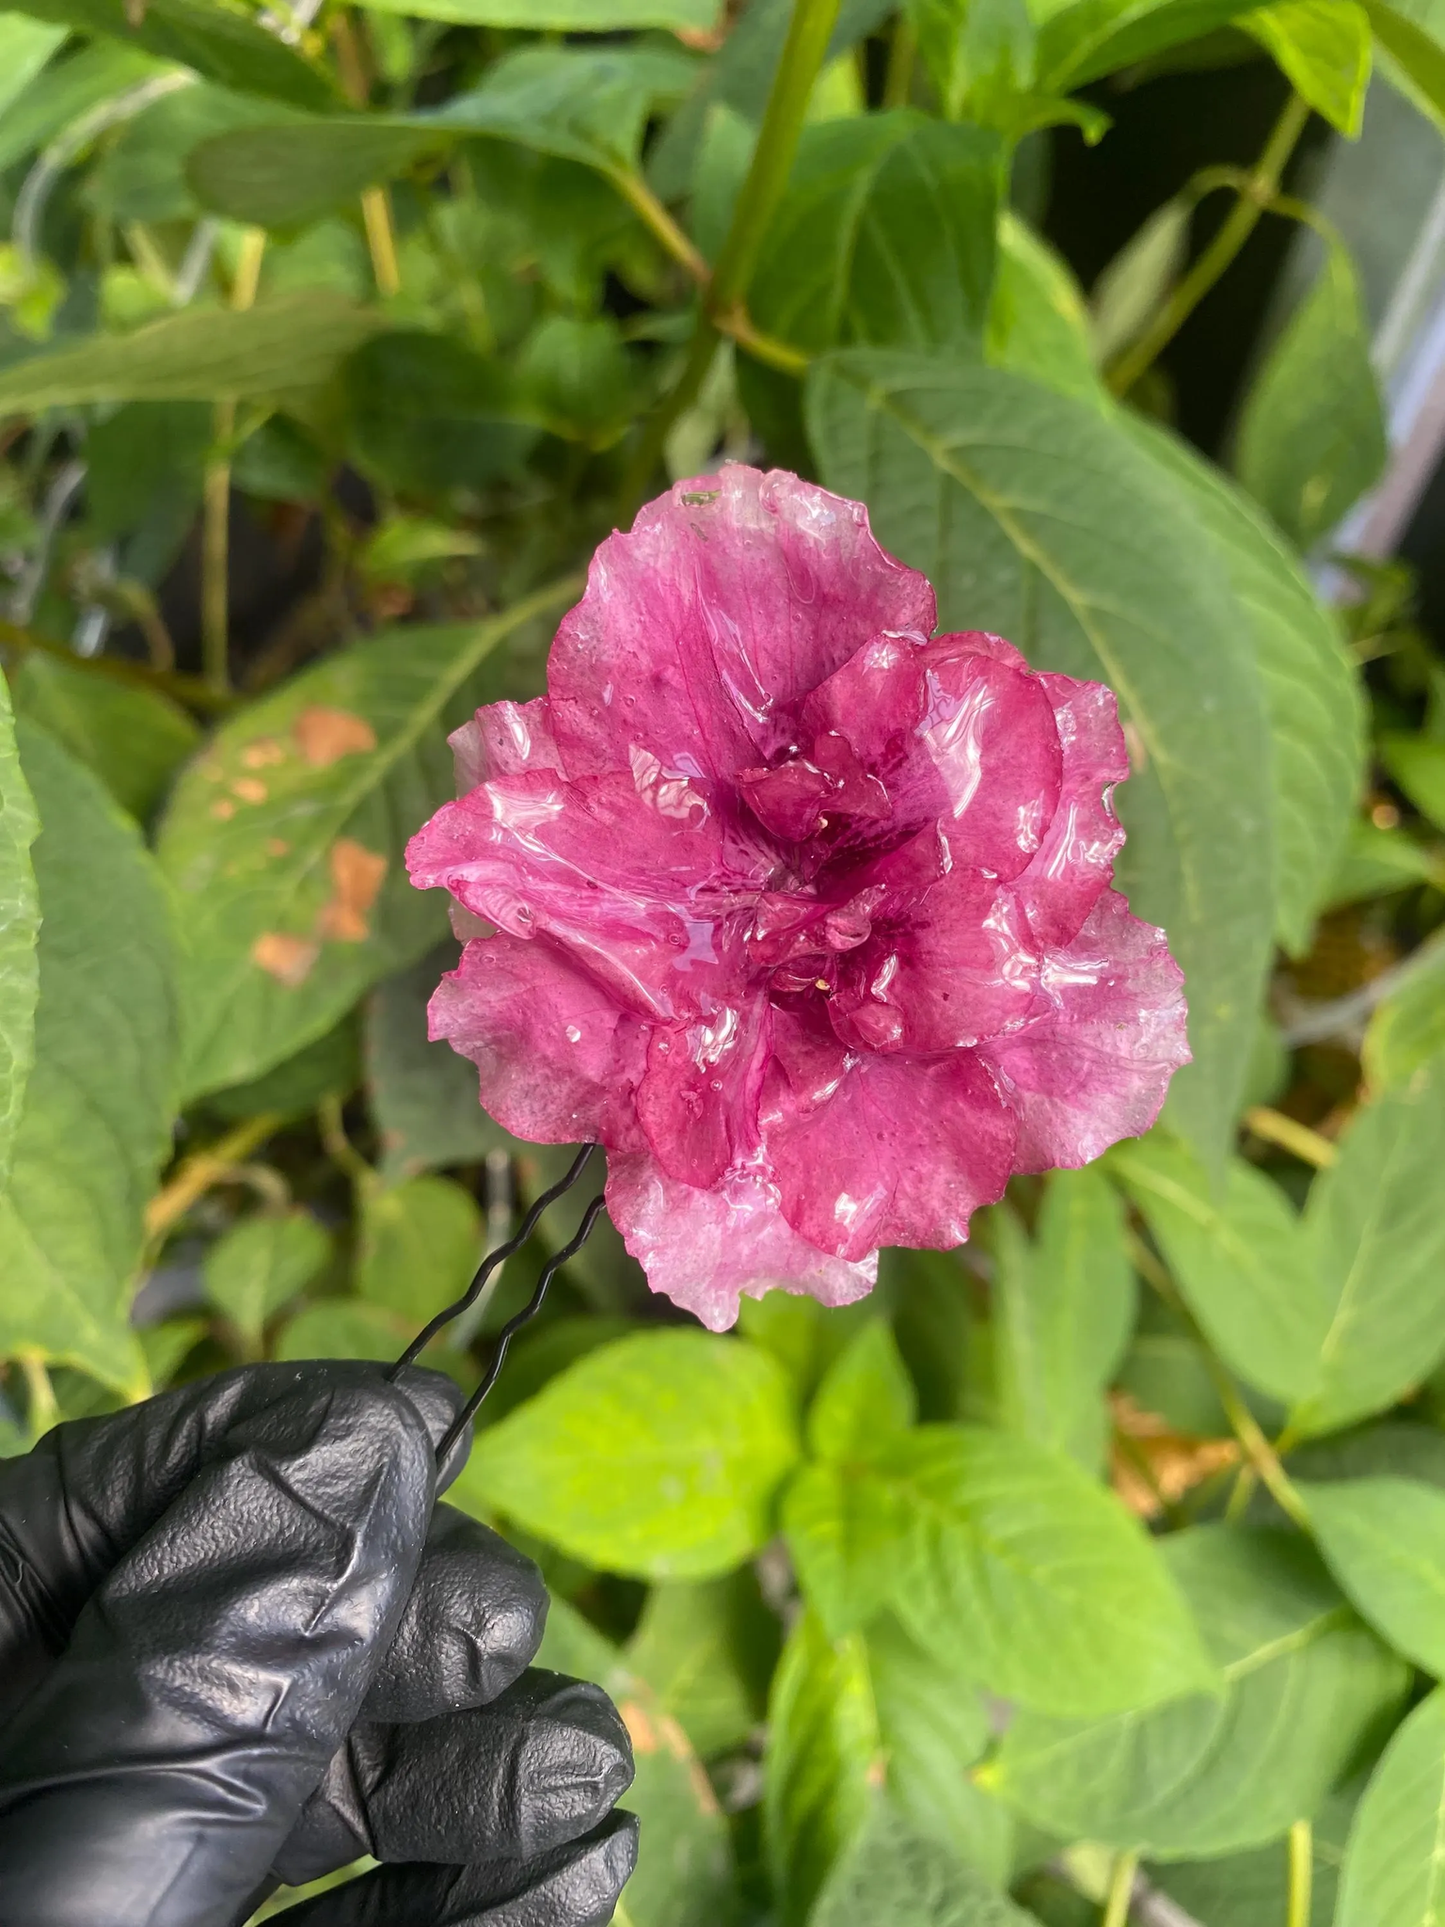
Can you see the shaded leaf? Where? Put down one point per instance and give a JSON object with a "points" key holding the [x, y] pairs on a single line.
{"points": [[1312, 430], [1407, 1029], [1384, 1540], [894, 1875], [1038, 324], [96, 1122], [1035, 518], [257, 1267], [1132, 285], [688, 1648], [582, 103], [1213, 1774], [134, 739], [19, 930], [1417, 764], [698, 1435], [1323, 46], [1393, 1874], [420, 1242], [288, 173], [562, 16], [344, 1328]]}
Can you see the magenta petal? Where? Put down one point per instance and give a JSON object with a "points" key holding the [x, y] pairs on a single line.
{"points": [[1095, 1068], [698, 1102], [730, 598], [704, 1248], [558, 1059], [503, 739], [886, 1150], [790, 800], [1076, 859]]}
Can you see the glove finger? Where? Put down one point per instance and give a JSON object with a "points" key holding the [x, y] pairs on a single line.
{"points": [[573, 1886], [90, 1489], [543, 1764], [154, 1773], [473, 1623]]}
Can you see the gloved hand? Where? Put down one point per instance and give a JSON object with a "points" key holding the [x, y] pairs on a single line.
{"points": [[239, 1646]]}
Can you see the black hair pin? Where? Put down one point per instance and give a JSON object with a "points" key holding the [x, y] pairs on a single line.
{"points": [[529, 1311]]}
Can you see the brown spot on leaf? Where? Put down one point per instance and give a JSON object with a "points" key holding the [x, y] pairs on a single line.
{"points": [[1153, 1465], [287, 959], [262, 753], [223, 808], [250, 789], [326, 735], [277, 846], [356, 875], [1138, 749], [640, 1730]]}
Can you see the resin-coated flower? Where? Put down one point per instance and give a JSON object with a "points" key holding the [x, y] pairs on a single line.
{"points": [[804, 915]]}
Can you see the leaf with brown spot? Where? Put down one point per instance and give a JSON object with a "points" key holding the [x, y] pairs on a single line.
{"points": [[250, 789], [356, 875], [325, 735], [263, 753], [320, 855]]}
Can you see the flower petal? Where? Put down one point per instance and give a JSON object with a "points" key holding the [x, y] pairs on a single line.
{"points": [[704, 1248], [728, 601], [698, 1101], [958, 731], [1095, 1068], [504, 739], [882, 1149], [558, 1059], [1076, 858]]}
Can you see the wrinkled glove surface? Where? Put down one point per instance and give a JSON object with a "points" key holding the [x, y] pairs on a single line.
{"points": [[241, 1645]]}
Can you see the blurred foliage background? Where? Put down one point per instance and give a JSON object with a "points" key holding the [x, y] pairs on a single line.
{"points": [[1093, 1569]]}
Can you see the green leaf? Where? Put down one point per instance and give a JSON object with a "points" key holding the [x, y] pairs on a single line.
{"points": [[1323, 47], [1131, 288], [140, 174], [19, 929], [1376, 863], [1213, 1774], [894, 1875], [1312, 430], [421, 1240], [25, 49], [658, 1455], [1384, 1540], [684, 1875], [1415, 55], [1035, 517], [1239, 1256], [220, 39], [1394, 1873], [423, 1095], [329, 1067], [1408, 1028], [1379, 1243], [134, 739], [588, 104], [1079, 43], [257, 1267], [689, 1647], [1050, 1587], [1312, 690], [167, 1346], [848, 1533], [344, 1328], [284, 841], [68, 89], [1245, 1889], [96, 1123], [885, 236], [428, 413], [1417, 764], [1038, 324], [577, 376], [1063, 1311], [865, 1401], [562, 16], [289, 173], [291, 342]]}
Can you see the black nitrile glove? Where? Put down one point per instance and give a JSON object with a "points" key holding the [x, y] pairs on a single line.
{"points": [[239, 1646]]}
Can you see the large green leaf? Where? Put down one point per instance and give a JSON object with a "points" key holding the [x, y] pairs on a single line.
{"points": [[1324, 48], [1063, 1311], [1384, 1539], [1035, 517], [561, 16], [1312, 691], [1379, 1243], [1416, 56], [684, 1875], [291, 342], [284, 841], [256, 1268], [19, 927], [657, 1455], [133, 738], [221, 39], [25, 49], [1394, 1871], [1051, 1590], [293, 172], [421, 1240], [1212, 1774], [96, 1122], [1078, 43], [894, 1875], [885, 236], [1038, 324], [1240, 1257], [1408, 1027], [1312, 431]]}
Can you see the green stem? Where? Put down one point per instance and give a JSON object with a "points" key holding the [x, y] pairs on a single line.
{"points": [[902, 57], [215, 557], [1239, 224], [656, 218], [43, 1408], [1301, 1873], [1121, 1890], [138, 675]]}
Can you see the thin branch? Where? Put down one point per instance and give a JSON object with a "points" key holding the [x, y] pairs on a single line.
{"points": [[1313, 1023], [1301, 1873], [1121, 1890], [203, 1169], [183, 689], [1290, 1135], [659, 222], [381, 241], [738, 326]]}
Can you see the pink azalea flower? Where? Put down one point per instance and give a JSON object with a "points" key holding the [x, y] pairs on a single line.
{"points": [[802, 911]]}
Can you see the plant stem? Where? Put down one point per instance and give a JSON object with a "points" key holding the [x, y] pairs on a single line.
{"points": [[902, 57], [340, 1149], [1121, 1890], [381, 241], [185, 689], [767, 348], [43, 1407], [1239, 224], [208, 1167], [216, 501], [660, 223], [1301, 1873], [1287, 1132]]}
